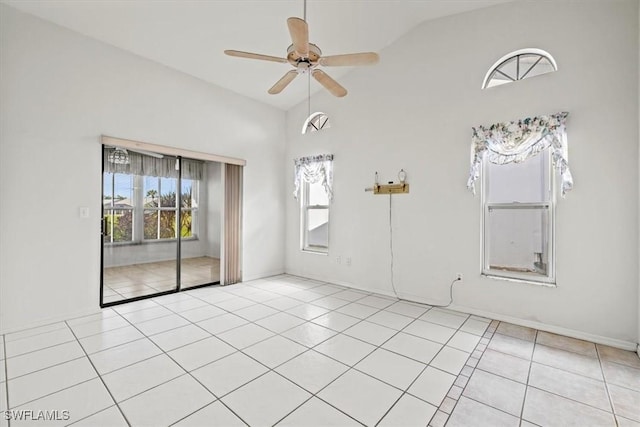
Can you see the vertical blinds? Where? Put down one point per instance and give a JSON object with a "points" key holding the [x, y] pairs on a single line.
{"points": [[233, 224]]}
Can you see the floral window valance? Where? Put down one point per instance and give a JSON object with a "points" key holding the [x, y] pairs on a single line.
{"points": [[517, 141], [314, 169]]}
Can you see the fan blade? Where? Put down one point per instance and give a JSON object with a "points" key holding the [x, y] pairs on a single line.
{"points": [[283, 82], [249, 55], [330, 84], [363, 58], [299, 31]]}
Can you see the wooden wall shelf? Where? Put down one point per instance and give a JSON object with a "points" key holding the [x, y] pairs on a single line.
{"points": [[391, 189]]}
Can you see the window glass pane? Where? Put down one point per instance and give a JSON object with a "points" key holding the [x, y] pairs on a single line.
{"points": [[151, 191], [542, 67], [123, 190], [186, 223], [509, 68], [518, 240], [118, 224], [524, 182], [188, 194], [150, 224], [168, 192], [317, 195], [168, 225], [497, 80], [107, 189], [317, 227]]}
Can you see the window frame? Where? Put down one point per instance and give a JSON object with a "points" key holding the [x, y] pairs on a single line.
{"points": [[495, 68], [550, 278], [305, 207]]}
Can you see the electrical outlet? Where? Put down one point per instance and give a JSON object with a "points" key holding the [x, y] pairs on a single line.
{"points": [[338, 260], [458, 276], [348, 261]]}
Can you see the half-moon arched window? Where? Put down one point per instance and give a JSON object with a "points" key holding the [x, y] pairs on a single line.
{"points": [[315, 122], [518, 65]]}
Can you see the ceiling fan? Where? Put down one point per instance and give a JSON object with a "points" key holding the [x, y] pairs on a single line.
{"points": [[307, 57]]}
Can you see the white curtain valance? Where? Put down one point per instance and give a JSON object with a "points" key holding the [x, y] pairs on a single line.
{"points": [[517, 141], [314, 169], [140, 164]]}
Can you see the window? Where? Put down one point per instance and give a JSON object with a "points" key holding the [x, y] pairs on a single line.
{"points": [[129, 197], [518, 219], [315, 122], [315, 218], [519, 65]]}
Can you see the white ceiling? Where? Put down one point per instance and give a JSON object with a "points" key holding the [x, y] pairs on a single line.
{"points": [[190, 35]]}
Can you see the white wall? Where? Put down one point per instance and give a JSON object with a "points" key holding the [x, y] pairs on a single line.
{"points": [[59, 92], [415, 111]]}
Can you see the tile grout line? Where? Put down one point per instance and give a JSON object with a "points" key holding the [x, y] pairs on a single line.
{"points": [[406, 391], [6, 377], [603, 380], [101, 380], [606, 387], [186, 373], [38, 334], [489, 330], [148, 337], [280, 310], [526, 387], [379, 309], [349, 367]]}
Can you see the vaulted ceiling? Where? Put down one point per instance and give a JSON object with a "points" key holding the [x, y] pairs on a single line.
{"points": [[191, 35]]}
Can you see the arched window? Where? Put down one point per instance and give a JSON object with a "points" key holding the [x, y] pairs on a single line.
{"points": [[315, 122], [518, 65]]}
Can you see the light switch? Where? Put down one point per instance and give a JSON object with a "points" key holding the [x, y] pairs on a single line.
{"points": [[84, 212]]}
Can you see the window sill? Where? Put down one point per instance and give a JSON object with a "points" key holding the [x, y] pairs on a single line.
{"points": [[520, 280], [315, 251], [151, 242]]}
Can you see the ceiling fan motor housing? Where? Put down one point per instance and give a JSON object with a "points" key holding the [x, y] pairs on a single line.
{"points": [[312, 57]]}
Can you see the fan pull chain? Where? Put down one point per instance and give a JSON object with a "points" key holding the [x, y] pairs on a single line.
{"points": [[309, 93]]}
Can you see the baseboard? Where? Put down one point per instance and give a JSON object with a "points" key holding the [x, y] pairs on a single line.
{"points": [[256, 276], [384, 292], [581, 335], [50, 320], [612, 342]]}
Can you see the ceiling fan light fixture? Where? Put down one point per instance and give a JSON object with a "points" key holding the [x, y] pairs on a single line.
{"points": [[315, 122], [119, 156]]}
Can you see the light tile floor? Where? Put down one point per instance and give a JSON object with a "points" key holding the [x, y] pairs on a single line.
{"points": [[296, 352], [136, 280]]}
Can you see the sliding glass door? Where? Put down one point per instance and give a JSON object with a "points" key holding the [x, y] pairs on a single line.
{"points": [[158, 225], [200, 233]]}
